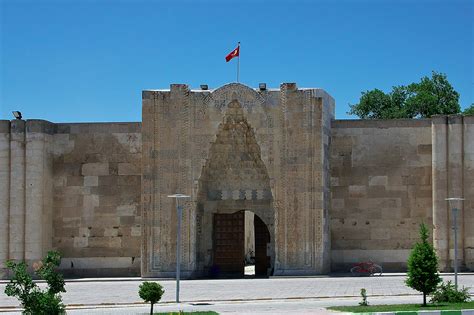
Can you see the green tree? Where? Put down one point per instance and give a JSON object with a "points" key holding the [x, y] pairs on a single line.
{"points": [[422, 274], [376, 104], [469, 110], [151, 292], [33, 299], [430, 96]]}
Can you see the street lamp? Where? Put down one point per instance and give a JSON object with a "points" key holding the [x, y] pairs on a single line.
{"points": [[17, 114], [178, 240], [455, 212]]}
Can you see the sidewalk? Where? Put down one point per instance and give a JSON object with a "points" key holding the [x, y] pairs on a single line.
{"points": [[96, 292]]}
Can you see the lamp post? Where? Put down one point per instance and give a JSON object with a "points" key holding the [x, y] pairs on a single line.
{"points": [[17, 114], [178, 240], [455, 213]]}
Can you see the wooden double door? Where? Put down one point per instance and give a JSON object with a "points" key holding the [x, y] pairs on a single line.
{"points": [[229, 247]]}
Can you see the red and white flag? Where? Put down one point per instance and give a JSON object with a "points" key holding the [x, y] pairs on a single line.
{"points": [[233, 53]]}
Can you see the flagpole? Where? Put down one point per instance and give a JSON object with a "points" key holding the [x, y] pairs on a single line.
{"points": [[238, 62]]}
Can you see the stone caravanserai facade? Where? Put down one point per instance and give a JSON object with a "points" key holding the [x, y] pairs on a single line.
{"points": [[324, 193]]}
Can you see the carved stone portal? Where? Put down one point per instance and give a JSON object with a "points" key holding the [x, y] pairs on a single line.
{"points": [[236, 149]]}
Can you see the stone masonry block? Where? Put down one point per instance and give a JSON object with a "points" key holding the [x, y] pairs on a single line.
{"points": [[105, 242], [75, 181], [126, 210], [379, 234], [424, 149], [95, 169], [378, 180], [128, 169], [91, 201], [91, 180], [356, 191], [136, 231], [80, 242], [111, 231]]}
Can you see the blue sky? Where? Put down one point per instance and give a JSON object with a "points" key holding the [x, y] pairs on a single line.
{"points": [[79, 61]]}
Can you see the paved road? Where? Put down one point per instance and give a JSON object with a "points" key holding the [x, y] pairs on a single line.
{"points": [[281, 290]]}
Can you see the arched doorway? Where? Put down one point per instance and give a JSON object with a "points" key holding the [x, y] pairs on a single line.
{"points": [[262, 241], [234, 179], [238, 244]]}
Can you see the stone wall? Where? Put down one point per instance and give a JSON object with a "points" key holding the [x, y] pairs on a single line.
{"points": [[75, 188], [381, 190], [331, 192], [97, 189]]}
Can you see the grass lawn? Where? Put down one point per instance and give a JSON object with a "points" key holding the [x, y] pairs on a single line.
{"points": [[194, 313], [403, 307]]}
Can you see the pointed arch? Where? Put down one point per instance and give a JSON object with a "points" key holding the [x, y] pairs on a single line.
{"points": [[233, 178]]}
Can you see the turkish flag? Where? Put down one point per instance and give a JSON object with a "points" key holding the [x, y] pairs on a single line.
{"points": [[234, 53]]}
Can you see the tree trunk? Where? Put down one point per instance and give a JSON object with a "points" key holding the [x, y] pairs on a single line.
{"points": [[424, 299], [151, 310]]}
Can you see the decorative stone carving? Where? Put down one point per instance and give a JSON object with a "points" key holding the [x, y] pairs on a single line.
{"points": [[236, 149], [222, 96]]}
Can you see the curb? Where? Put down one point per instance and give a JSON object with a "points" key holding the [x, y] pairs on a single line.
{"points": [[440, 312]]}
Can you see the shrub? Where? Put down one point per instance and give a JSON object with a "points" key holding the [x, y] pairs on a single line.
{"points": [[363, 294], [33, 299], [447, 292], [151, 292], [422, 271]]}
